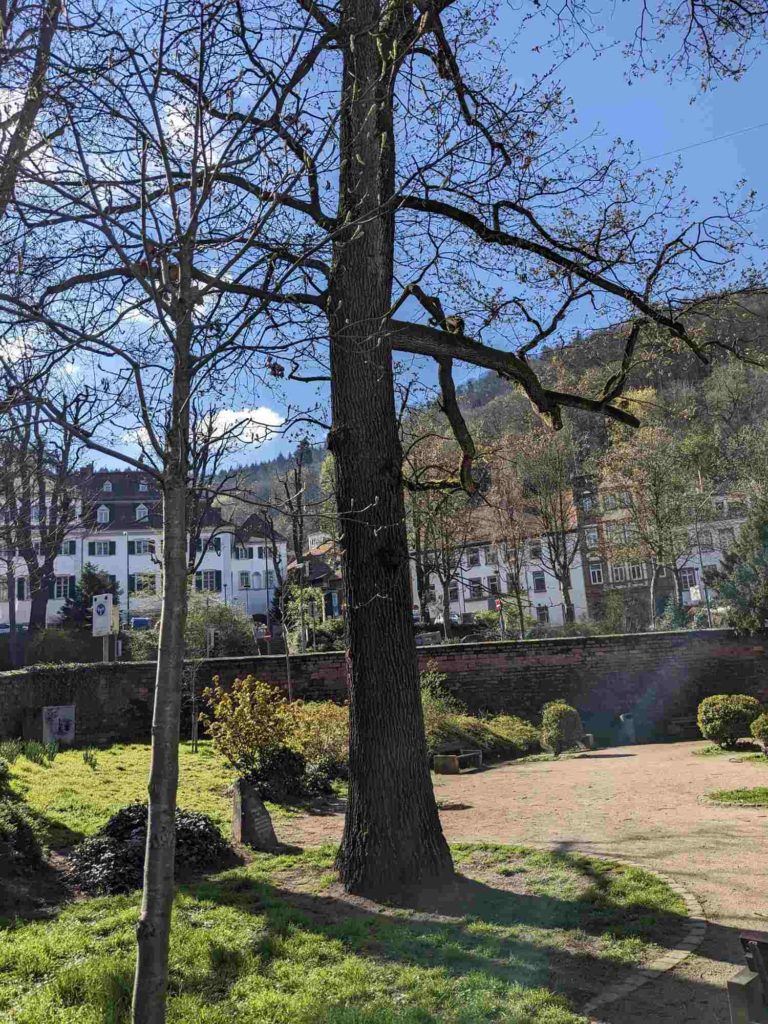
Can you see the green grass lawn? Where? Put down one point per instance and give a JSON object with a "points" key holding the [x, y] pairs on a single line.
{"points": [[757, 796], [74, 800], [525, 938], [744, 751]]}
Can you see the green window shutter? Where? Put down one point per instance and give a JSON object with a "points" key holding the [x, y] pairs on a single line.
{"points": [[236, 553], [218, 580], [72, 585], [198, 581], [131, 547], [217, 545], [131, 584], [250, 552], [91, 547], [52, 587], [20, 588], [112, 547]]}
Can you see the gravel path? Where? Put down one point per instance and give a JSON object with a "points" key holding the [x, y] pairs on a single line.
{"points": [[644, 804]]}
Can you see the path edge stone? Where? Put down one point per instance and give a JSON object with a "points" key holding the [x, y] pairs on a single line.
{"points": [[668, 960]]}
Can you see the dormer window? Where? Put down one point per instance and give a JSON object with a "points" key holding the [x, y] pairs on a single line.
{"points": [[143, 485], [102, 514], [141, 512], [107, 486]]}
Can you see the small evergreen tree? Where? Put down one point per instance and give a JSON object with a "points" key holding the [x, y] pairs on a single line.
{"points": [[742, 579], [78, 609]]}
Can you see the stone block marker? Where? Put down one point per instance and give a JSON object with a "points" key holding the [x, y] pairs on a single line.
{"points": [[251, 823]]}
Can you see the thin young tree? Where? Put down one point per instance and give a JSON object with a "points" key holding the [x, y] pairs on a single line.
{"points": [[133, 239]]}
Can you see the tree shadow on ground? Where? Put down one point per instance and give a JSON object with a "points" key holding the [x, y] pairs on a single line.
{"points": [[468, 926]]}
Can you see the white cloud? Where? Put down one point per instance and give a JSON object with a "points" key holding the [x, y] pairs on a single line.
{"points": [[251, 426]]}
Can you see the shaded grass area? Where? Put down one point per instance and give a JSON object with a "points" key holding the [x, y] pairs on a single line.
{"points": [[743, 751], [756, 796], [524, 937], [72, 800]]}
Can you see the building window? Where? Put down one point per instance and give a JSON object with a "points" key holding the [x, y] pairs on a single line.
{"points": [[245, 581], [705, 540], [142, 485], [141, 512], [475, 590], [687, 578], [726, 537], [536, 549], [610, 502], [22, 590], [539, 583], [430, 594], [493, 585], [143, 546], [3, 588], [241, 553], [102, 514], [142, 583], [587, 503], [453, 592], [269, 579], [473, 556], [619, 573], [61, 588], [591, 537], [260, 554], [491, 557], [101, 548], [69, 547], [595, 572], [256, 580], [107, 487], [637, 571], [208, 581], [542, 613]]}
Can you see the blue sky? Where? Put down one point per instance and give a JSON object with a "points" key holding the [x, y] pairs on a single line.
{"points": [[659, 116]]}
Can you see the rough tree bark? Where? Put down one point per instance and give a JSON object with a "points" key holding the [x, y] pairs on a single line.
{"points": [[392, 834], [154, 926]]}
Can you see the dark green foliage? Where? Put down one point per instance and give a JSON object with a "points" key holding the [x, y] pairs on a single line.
{"points": [[89, 757], [279, 775], [11, 749], [77, 610], [327, 636], [19, 843], [35, 752], [319, 775], [51, 750], [759, 730], [561, 727], [742, 579], [112, 861], [727, 717], [5, 774]]}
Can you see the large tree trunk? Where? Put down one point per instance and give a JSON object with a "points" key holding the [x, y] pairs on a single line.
{"points": [[154, 926], [13, 638], [38, 609], [392, 834]]}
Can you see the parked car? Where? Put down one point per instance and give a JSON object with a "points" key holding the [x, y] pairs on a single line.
{"points": [[5, 628]]}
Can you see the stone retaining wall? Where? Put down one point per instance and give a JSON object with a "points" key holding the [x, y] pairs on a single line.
{"points": [[655, 676]]}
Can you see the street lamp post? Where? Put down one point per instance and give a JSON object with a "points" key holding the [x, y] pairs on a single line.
{"points": [[127, 585]]}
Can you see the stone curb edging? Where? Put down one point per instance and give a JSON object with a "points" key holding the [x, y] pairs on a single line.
{"points": [[690, 942]]}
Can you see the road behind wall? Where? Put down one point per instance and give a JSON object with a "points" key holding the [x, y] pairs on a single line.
{"points": [[657, 677]]}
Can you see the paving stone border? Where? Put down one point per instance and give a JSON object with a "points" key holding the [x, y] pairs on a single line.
{"points": [[691, 941]]}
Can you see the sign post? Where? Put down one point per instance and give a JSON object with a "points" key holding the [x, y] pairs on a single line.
{"points": [[102, 620]]}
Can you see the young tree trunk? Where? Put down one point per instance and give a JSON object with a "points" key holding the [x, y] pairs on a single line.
{"points": [[565, 584], [447, 624], [392, 834], [13, 639], [154, 926], [38, 609], [520, 611]]}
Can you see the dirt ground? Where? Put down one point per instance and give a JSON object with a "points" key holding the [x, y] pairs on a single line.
{"points": [[643, 804]]}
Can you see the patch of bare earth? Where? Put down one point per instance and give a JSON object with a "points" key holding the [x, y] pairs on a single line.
{"points": [[644, 804]]}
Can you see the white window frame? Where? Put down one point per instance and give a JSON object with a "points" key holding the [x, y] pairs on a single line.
{"points": [[473, 557], [636, 571], [61, 584], [493, 583], [688, 577], [102, 515], [539, 576], [142, 513], [596, 573], [542, 614], [476, 589], [591, 536], [101, 549], [106, 487], [619, 573], [143, 486], [245, 580]]}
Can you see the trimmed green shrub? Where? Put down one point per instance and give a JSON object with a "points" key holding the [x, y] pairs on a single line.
{"points": [[561, 727], [726, 717], [112, 861], [278, 774], [759, 730]]}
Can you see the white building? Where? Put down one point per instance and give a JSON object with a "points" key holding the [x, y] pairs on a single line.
{"points": [[120, 533], [483, 577]]}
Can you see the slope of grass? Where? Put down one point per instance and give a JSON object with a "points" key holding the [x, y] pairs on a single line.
{"points": [[525, 938], [74, 800], [757, 796]]}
